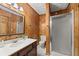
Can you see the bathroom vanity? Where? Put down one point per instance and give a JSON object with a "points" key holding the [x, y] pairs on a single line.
{"points": [[27, 47], [29, 50]]}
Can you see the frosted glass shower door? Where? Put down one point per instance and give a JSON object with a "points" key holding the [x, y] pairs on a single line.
{"points": [[61, 34]]}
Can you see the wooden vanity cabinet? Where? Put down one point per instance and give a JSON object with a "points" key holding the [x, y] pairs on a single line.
{"points": [[30, 50], [33, 52]]}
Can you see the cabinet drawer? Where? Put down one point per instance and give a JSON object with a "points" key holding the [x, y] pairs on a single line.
{"points": [[25, 50]]}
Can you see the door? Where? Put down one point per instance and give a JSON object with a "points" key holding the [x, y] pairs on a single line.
{"points": [[61, 34]]}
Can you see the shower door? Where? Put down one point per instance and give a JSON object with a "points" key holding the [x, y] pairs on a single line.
{"points": [[61, 33]]}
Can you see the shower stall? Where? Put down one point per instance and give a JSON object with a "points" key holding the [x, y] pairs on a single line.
{"points": [[61, 34]]}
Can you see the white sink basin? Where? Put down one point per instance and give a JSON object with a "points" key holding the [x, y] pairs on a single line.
{"points": [[10, 41], [12, 45], [20, 41]]}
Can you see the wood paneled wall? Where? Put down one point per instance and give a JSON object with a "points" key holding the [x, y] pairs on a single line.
{"points": [[31, 21], [75, 8], [47, 31], [8, 37], [42, 25]]}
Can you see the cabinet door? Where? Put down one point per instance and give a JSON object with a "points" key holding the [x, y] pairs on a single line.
{"points": [[32, 53], [3, 25]]}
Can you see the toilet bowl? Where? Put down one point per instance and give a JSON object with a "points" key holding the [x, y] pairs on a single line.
{"points": [[41, 50]]}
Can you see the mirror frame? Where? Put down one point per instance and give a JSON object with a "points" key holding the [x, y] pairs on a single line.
{"points": [[10, 28], [23, 27]]}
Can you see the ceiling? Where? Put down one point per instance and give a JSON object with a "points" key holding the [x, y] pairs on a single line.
{"points": [[39, 7]]}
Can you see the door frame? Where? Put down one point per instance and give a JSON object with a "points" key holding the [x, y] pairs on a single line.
{"points": [[72, 30]]}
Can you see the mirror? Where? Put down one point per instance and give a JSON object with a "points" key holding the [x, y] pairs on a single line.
{"points": [[11, 23], [16, 24], [3, 25], [20, 25]]}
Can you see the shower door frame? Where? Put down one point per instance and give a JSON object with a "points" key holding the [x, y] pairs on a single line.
{"points": [[72, 30]]}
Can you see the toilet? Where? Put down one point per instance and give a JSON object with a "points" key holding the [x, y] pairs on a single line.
{"points": [[41, 50]]}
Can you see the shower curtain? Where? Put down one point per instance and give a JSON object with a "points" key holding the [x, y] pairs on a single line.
{"points": [[61, 33]]}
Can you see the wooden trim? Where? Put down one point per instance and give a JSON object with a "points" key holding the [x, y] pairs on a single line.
{"points": [[60, 12], [75, 8], [47, 8], [24, 25], [68, 6]]}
